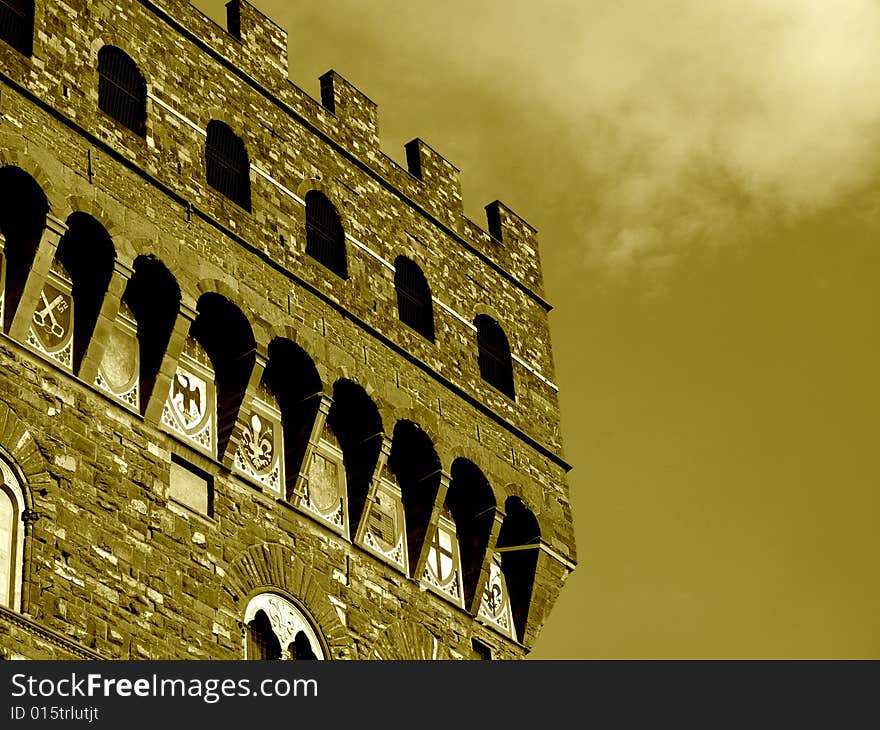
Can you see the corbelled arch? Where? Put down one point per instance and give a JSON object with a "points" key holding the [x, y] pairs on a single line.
{"points": [[117, 230], [13, 153], [498, 471], [272, 567]]}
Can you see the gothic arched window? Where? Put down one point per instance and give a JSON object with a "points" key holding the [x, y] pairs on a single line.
{"points": [[227, 168], [496, 367], [277, 629], [122, 91], [17, 24], [12, 510], [325, 238], [414, 306]]}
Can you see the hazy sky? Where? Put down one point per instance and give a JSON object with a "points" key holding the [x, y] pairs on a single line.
{"points": [[704, 177]]}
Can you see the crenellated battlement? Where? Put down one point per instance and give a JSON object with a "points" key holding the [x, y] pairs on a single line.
{"points": [[263, 41], [356, 113], [258, 46], [251, 335], [441, 180]]}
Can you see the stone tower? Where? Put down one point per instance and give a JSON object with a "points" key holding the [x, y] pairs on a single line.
{"points": [[264, 393]]}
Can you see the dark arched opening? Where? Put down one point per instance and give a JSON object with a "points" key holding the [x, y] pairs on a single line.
{"points": [[262, 642], [292, 378], [17, 24], [153, 296], [414, 305], [417, 467], [86, 251], [227, 168], [496, 367], [357, 424], [472, 503], [23, 208], [122, 90], [325, 238], [225, 333], [519, 530]]}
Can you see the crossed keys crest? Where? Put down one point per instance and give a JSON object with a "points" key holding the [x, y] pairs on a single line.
{"points": [[46, 318]]}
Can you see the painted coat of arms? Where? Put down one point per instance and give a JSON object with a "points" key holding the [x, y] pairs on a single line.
{"points": [[260, 452], [119, 371], [495, 603], [191, 406], [51, 330]]}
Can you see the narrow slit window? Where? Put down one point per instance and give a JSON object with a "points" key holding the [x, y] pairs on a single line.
{"points": [[122, 91]]}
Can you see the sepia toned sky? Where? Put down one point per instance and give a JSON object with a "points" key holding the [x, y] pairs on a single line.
{"points": [[705, 178]]}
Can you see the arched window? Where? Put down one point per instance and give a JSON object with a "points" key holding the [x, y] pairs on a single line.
{"points": [[17, 24], [414, 306], [325, 239], [496, 367], [225, 333], [11, 538], [122, 91], [262, 642], [356, 422], [226, 164], [277, 629]]}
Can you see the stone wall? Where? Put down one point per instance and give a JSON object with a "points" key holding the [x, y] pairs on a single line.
{"points": [[112, 563]]}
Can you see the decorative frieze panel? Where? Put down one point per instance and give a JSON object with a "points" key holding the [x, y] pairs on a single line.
{"points": [[326, 494], [443, 569], [119, 371], [260, 452], [495, 605], [383, 530], [190, 410], [51, 327]]}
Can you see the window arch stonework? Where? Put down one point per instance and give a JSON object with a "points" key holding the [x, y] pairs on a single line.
{"points": [[12, 523], [122, 90], [291, 627]]}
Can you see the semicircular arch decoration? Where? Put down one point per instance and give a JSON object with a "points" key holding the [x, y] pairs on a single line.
{"points": [[278, 629], [273, 568]]}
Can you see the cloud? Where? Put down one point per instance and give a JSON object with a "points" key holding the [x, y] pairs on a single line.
{"points": [[667, 125], [689, 122], [700, 120]]}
